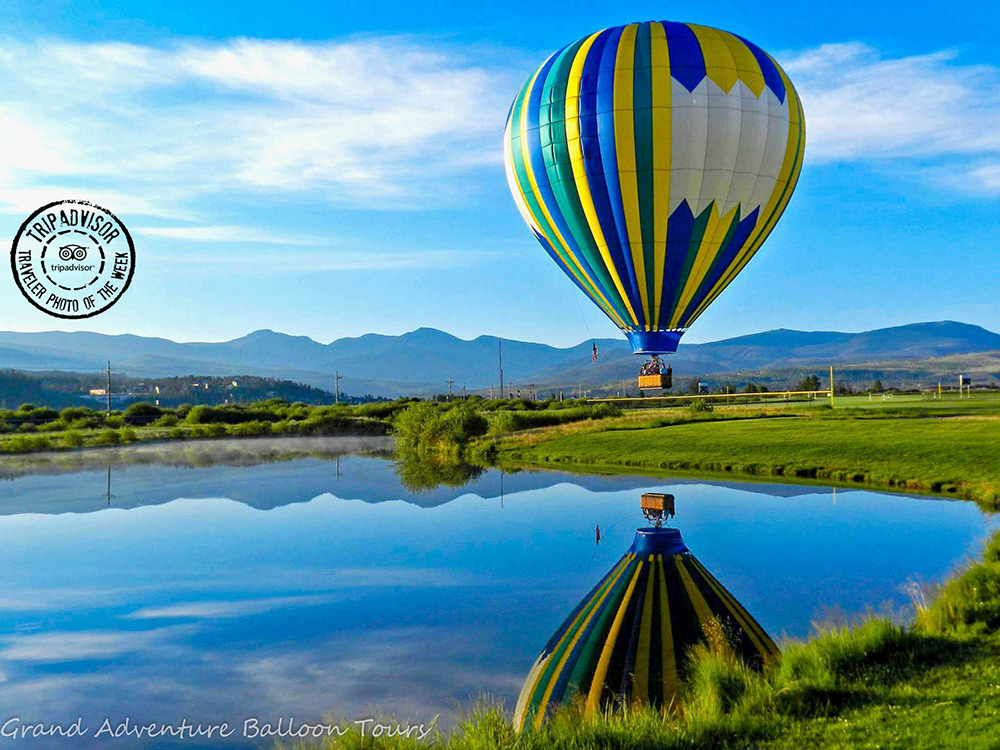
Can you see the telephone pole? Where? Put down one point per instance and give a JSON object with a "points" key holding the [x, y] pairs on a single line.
{"points": [[450, 382], [107, 391], [500, 354], [336, 380]]}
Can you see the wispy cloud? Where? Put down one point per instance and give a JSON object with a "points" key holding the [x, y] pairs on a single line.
{"points": [[228, 609], [84, 645], [225, 233], [171, 130], [386, 120], [330, 259], [924, 111]]}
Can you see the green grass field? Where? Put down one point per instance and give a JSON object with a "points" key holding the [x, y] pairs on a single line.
{"points": [[947, 446]]}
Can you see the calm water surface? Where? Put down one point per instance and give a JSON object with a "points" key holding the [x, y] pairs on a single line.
{"points": [[320, 584]]}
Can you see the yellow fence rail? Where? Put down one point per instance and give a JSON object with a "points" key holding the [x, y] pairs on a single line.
{"points": [[707, 396]]}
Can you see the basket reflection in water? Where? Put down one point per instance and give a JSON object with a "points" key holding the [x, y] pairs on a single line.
{"points": [[628, 640]]}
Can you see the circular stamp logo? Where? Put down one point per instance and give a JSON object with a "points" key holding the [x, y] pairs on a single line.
{"points": [[72, 259]]}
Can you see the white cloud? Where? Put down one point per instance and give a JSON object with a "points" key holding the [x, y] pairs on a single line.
{"points": [[84, 645], [384, 120], [329, 260], [224, 233], [228, 609], [924, 111]]}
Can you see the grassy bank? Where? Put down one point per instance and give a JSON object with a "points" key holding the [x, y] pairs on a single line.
{"points": [[949, 447], [929, 684], [32, 429]]}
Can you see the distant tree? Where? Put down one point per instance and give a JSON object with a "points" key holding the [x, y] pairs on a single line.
{"points": [[693, 386], [810, 383], [877, 386], [751, 388]]}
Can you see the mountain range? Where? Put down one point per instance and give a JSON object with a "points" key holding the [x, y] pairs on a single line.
{"points": [[420, 362]]}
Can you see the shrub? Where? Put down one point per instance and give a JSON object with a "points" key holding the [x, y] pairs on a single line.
{"points": [[73, 439], [142, 413], [167, 420], [700, 406], [250, 429], [56, 426], [27, 444], [108, 437], [128, 435], [73, 413], [285, 427], [228, 415]]}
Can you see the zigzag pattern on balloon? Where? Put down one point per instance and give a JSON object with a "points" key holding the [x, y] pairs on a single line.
{"points": [[651, 161]]}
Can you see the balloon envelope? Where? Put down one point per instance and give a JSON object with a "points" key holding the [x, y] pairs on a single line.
{"points": [[651, 161], [629, 640]]}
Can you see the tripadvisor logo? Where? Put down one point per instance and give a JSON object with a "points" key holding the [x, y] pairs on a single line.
{"points": [[72, 259]]}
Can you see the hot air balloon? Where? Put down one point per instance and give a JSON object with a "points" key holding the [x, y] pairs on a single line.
{"points": [[629, 639], [651, 161]]}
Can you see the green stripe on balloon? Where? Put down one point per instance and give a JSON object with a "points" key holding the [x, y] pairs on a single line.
{"points": [[642, 104]]}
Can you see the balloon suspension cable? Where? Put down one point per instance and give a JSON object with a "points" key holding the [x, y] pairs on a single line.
{"points": [[656, 507]]}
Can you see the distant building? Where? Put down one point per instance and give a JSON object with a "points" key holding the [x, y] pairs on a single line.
{"points": [[98, 391]]}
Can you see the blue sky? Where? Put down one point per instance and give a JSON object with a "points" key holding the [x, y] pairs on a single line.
{"points": [[331, 169]]}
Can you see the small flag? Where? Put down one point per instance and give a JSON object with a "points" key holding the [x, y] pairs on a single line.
{"points": [[594, 355]]}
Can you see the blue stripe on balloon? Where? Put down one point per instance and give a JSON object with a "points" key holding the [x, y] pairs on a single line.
{"points": [[594, 165], [687, 63], [722, 261], [609, 157], [679, 228], [772, 78], [538, 164]]}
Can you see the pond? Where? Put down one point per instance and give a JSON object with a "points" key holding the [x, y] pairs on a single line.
{"points": [[275, 580]]}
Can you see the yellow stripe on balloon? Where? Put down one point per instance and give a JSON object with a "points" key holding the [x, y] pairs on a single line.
{"points": [[747, 67], [745, 624], [575, 144], [512, 182], [640, 680], [588, 615], [625, 148], [572, 262], [660, 75], [597, 685], [576, 627], [791, 166], [666, 638], [711, 241], [719, 65], [701, 607]]}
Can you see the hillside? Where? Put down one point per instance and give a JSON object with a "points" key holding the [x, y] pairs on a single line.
{"points": [[421, 361]]}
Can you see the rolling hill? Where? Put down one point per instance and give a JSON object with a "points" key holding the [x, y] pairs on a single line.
{"points": [[420, 362]]}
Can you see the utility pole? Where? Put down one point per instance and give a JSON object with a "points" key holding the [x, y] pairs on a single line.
{"points": [[450, 382], [336, 380], [500, 360], [463, 392], [107, 391], [831, 386]]}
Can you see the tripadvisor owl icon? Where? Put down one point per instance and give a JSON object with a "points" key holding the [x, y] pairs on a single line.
{"points": [[72, 259]]}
